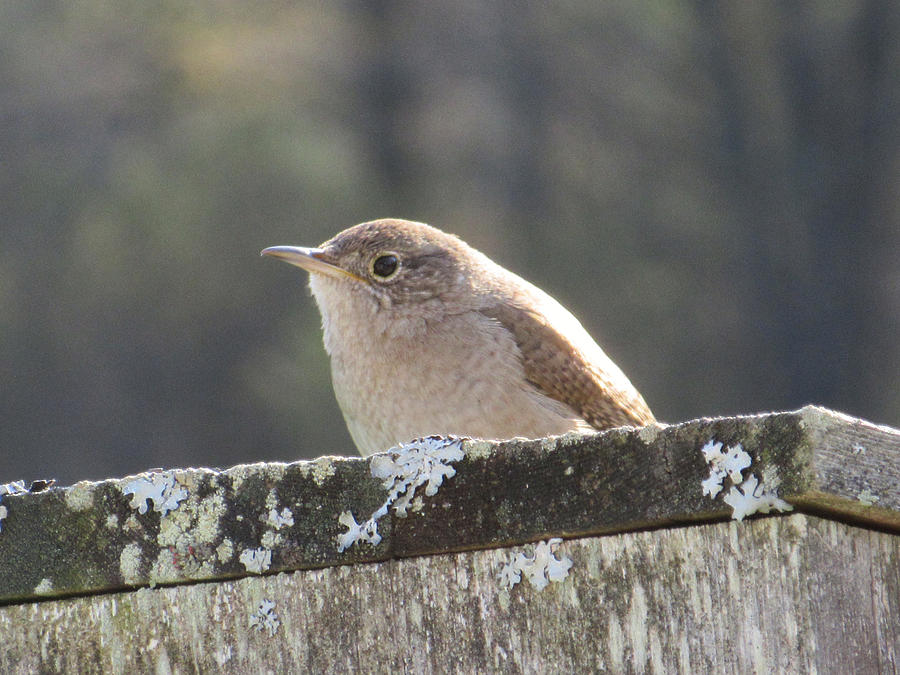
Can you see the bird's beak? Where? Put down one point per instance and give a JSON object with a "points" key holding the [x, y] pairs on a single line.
{"points": [[313, 260]]}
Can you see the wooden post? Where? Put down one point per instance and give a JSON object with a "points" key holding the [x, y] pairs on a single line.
{"points": [[107, 576]]}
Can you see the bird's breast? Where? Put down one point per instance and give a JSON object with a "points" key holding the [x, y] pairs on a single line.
{"points": [[461, 376]]}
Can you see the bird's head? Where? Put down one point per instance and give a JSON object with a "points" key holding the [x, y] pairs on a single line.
{"points": [[399, 271]]}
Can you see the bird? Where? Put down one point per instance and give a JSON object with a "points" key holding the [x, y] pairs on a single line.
{"points": [[428, 336]]}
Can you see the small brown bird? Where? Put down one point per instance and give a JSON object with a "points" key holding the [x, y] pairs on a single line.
{"points": [[429, 336]]}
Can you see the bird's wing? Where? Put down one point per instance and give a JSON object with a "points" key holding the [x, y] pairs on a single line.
{"points": [[603, 398]]}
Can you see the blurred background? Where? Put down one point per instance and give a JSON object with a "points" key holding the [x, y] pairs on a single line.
{"points": [[712, 188]]}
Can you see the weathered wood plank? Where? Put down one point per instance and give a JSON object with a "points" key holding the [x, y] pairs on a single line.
{"points": [[791, 594], [852, 458], [89, 538]]}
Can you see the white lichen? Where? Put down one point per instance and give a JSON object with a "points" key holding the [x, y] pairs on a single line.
{"points": [[160, 488], [651, 432], [424, 461], [274, 520], [322, 469], [256, 560], [186, 538], [752, 497], [14, 488], [367, 532], [479, 449], [745, 497], [540, 569], [278, 520], [17, 487], [80, 497], [271, 539], [225, 550], [867, 497], [210, 512], [721, 464], [770, 478], [130, 563], [265, 618], [45, 587]]}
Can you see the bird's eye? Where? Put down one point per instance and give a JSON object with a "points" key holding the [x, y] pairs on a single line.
{"points": [[385, 266]]}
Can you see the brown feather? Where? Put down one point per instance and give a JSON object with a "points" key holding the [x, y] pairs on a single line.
{"points": [[560, 371]]}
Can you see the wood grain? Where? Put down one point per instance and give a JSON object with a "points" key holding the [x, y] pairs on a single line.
{"points": [[788, 594]]}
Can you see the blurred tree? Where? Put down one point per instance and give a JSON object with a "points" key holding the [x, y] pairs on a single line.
{"points": [[710, 187]]}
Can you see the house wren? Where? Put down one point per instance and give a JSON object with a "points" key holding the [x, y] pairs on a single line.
{"points": [[429, 336]]}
